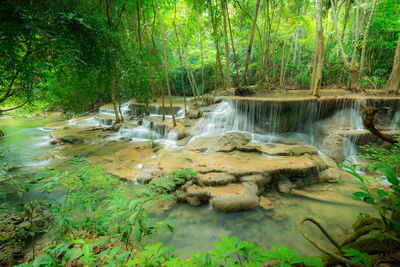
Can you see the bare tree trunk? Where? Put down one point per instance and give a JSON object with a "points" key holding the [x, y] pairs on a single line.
{"points": [[346, 17], [350, 67], [228, 79], [316, 76], [282, 64], [393, 84], [251, 42], [362, 60], [113, 95], [233, 46], [215, 37], [202, 67], [166, 64], [180, 61]]}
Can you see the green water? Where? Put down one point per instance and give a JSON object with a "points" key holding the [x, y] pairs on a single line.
{"points": [[197, 228], [25, 139]]}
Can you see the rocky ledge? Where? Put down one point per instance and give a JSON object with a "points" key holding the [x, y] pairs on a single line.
{"points": [[233, 172]]}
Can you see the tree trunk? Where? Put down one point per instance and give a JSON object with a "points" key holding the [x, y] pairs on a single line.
{"points": [[282, 64], [226, 39], [157, 66], [166, 64], [251, 42], [233, 46], [362, 60], [113, 95], [215, 37], [393, 84], [202, 67], [346, 16], [180, 61], [316, 76]]}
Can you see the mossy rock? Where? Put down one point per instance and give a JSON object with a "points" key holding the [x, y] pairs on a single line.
{"points": [[301, 151]]}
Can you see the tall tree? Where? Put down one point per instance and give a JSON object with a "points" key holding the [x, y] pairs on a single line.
{"points": [[165, 63], [316, 76], [180, 60], [251, 42], [216, 42], [223, 10], [393, 84]]}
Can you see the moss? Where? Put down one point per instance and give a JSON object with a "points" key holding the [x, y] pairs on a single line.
{"points": [[300, 151]]}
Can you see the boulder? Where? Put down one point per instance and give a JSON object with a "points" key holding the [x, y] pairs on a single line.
{"points": [[198, 192], [194, 114], [223, 143], [242, 91], [334, 174], [265, 203], [216, 178], [261, 180], [145, 176], [245, 199], [284, 185], [70, 139]]}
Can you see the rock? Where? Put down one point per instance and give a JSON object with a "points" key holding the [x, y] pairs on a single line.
{"points": [[198, 192], [284, 185], [242, 91], [194, 201], [181, 195], [245, 199], [334, 174], [213, 179], [145, 176], [1, 133], [70, 139], [224, 143], [194, 114], [298, 183], [265, 203], [261, 180]]}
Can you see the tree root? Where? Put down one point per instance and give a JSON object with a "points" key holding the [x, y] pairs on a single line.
{"points": [[368, 121], [320, 247]]}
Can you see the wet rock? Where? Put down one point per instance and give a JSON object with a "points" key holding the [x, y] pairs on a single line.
{"points": [[181, 196], [261, 180], [198, 192], [214, 179], [194, 114], [298, 183], [242, 91], [145, 176], [70, 139], [224, 143], [265, 203], [284, 185], [245, 199], [194, 201], [334, 174]]}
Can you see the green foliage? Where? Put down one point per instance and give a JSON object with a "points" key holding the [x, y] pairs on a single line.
{"points": [[357, 256]]}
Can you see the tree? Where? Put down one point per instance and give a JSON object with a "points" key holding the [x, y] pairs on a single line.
{"points": [[165, 64], [393, 84], [251, 42], [316, 76]]}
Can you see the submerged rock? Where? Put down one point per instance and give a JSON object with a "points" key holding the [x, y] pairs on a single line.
{"points": [[285, 185], [243, 197], [194, 114]]}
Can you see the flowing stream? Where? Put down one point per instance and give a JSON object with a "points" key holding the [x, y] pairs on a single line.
{"points": [[197, 228]]}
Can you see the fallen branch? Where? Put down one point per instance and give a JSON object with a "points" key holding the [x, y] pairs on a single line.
{"points": [[368, 121]]}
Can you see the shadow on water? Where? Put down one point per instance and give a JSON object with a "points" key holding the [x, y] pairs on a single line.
{"points": [[197, 228]]}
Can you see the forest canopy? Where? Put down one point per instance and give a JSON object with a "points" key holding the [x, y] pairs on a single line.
{"points": [[77, 55]]}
